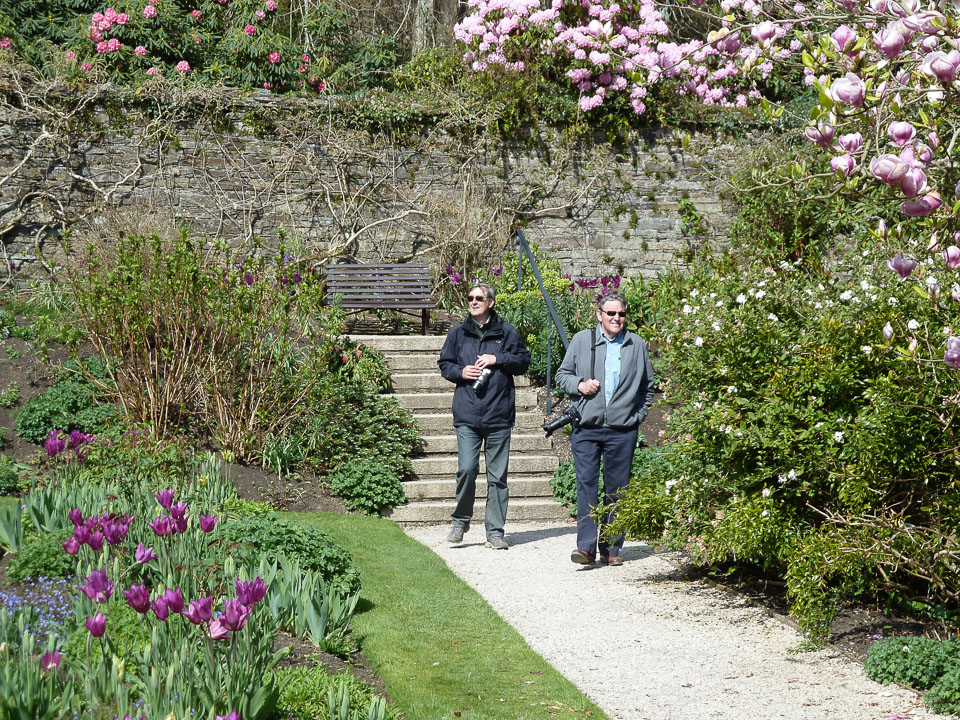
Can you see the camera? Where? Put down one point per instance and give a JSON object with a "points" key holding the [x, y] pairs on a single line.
{"points": [[569, 415], [481, 382]]}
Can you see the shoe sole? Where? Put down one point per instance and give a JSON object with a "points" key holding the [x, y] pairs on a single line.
{"points": [[581, 559], [490, 545]]}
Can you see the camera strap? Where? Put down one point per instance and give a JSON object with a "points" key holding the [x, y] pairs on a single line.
{"points": [[595, 337]]}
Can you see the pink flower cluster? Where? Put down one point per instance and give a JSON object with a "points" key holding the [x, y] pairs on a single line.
{"points": [[102, 22], [5, 43]]}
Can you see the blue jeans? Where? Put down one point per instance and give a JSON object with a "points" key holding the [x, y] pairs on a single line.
{"points": [[616, 447], [496, 446]]}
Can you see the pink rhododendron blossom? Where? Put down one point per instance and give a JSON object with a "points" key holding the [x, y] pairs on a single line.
{"points": [[150, 11], [122, 19], [195, 14], [140, 50], [250, 29], [183, 67], [271, 5], [274, 57], [152, 71], [260, 14], [87, 67]]}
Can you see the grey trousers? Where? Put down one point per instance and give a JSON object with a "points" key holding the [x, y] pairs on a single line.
{"points": [[496, 446]]}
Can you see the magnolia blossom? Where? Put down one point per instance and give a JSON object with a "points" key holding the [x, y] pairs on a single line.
{"points": [[924, 206], [901, 132], [844, 164], [849, 89], [902, 266], [952, 257], [851, 143], [822, 134], [943, 66], [952, 354]]}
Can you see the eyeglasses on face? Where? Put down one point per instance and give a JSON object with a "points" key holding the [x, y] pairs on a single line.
{"points": [[614, 313], [476, 298]]}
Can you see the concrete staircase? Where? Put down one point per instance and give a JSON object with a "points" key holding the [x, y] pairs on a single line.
{"points": [[417, 384]]}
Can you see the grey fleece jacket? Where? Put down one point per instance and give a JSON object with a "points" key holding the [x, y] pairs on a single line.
{"points": [[634, 392]]}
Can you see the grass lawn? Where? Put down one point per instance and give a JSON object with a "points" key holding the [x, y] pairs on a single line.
{"points": [[441, 650], [6, 501]]}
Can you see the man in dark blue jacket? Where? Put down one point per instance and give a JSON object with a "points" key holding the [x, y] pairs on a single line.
{"points": [[481, 355]]}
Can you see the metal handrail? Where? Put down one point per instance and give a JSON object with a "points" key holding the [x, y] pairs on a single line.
{"points": [[553, 318]]}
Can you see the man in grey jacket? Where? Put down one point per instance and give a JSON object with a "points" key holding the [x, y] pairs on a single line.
{"points": [[607, 373]]}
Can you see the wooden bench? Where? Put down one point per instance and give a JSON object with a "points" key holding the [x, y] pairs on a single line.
{"points": [[383, 287]]}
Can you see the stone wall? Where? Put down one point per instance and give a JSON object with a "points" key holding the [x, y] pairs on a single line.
{"points": [[601, 210]]}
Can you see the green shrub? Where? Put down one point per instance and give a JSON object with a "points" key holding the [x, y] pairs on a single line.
{"points": [[9, 476], [238, 508], [133, 457], [10, 395], [273, 535], [564, 486], [305, 691], [367, 486], [915, 661], [944, 696], [41, 556], [66, 405]]}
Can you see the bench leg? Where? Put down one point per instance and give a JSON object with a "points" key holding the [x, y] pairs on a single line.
{"points": [[425, 323]]}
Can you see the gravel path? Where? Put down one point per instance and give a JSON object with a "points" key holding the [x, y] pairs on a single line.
{"points": [[644, 644]]}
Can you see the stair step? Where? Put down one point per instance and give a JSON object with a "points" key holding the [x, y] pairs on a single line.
{"points": [[428, 467], [442, 422], [433, 444], [446, 489], [526, 399], [434, 381], [402, 343], [517, 511], [412, 362]]}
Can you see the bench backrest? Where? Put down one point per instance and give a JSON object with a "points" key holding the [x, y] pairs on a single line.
{"points": [[381, 286]]}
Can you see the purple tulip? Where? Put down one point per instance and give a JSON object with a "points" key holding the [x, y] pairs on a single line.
{"points": [[207, 523], [54, 444], [82, 534], [902, 266], [115, 531], [96, 541], [849, 89], [890, 40], [72, 546], [952, 257], [138, 597], [888, 169], [929, 203], [161, 609], [901, 132], [232, 716], [174, 600], [851, 143], [914, 182], [200, 610], [219, 630], [234, 615], [96, 624], [161, 526], [844, 164], [952, 355], [98, 587], [844, 38], [164, 497], [143, 554], [822, 134], [76, 517], [180, 524], [50, 661], [178, 510], [251, 592], [888, 332], [943, 66]]}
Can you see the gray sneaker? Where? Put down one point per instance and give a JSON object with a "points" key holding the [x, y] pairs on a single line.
{"points": [[456, 533], [497, 543]]}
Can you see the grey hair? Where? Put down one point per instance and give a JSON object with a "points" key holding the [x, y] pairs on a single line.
{"points": [[611, 297], [488, 291]]}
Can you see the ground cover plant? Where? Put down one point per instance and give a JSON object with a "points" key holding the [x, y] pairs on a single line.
{"points": [[438, 646], [922, 663]]}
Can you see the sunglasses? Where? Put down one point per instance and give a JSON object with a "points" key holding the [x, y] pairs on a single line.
{"points": [[614, 313], [476, 298]]}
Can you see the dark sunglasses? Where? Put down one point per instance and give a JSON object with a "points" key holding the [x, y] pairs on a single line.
{"points": [[613, 313], [478, 298]]}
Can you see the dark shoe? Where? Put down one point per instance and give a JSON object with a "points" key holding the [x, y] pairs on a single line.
{"points": [[582, 557], [611, 560], [497, 543], [456, 533]]}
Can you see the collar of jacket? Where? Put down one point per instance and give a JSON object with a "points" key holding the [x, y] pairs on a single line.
{"points": [[493, 324], [598, 336]]}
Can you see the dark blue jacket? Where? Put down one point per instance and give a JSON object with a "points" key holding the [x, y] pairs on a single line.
{"points": [[494, 406]]}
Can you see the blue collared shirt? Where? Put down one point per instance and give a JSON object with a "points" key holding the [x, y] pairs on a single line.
{"points": [[611, 366]]}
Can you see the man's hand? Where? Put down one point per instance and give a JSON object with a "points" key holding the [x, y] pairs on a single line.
{"points": [[485, 361], [471, 372], [588, 387]]}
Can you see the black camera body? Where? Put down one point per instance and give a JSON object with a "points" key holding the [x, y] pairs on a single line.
{"points": [[570, 415]]}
